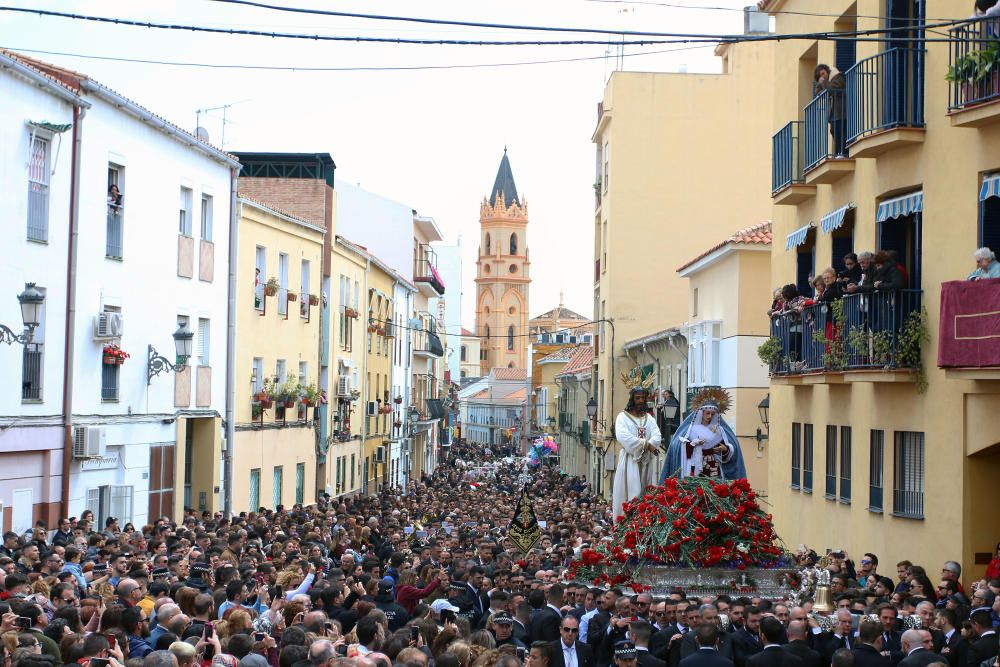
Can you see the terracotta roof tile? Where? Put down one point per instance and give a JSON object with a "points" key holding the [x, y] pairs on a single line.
{"points": [[759, 234], [580, 361], [466, 332], [564, 354], [509, 374]]}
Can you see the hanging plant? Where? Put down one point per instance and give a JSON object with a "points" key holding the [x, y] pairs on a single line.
{"points": [[271, 287], [292, 296], [351, 312], [313, 300], [114, 355]]}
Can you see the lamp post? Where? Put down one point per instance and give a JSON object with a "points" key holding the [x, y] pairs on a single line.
{"points": [[671, 407], [183, 344], [764, 408], [31, 300]]}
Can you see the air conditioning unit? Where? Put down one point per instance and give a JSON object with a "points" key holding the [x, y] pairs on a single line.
{"points": [[89, 442], [380, 454], [344, 385], [109, 325], [372, 409]]}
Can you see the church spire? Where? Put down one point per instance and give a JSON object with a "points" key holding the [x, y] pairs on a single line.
{"points": [[504, 184]]}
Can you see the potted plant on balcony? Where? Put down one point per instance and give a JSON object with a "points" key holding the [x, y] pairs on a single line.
{"points": [[397, 400], [114, 355], [770, 352], [271, 287], [963, 72], [310, 395], [313, 299], [292, 296], [256, 411], [288, 394], [351, 312], [988, 71], [265, 397]]}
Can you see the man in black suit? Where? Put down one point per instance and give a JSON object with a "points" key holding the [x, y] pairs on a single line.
{"points": [[477, 596], [798, 644], [641, 631], [868, 651], [892, 638], [955, 646], [772, 655], [839, 638], [986, 645], [708, 613], [916, 651], [545, 621], [746, 640], [707, 636], [597, 625], [568, 651]]}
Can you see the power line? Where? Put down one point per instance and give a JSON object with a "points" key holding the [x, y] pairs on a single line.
{"points": [[489, 337], [667, 38], [391, 68], [676, 5]]}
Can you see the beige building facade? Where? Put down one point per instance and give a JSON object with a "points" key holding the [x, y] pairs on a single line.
{"points": [[874, 447], [667, 146]]}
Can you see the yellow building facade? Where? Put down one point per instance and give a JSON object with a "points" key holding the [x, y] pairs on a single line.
{"points": [[277, 358], [574, 381], [377, 418], [864, 456], [667, 144], [347, 355]]}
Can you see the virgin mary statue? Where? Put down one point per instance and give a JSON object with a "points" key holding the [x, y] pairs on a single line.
{"points": [[704, 444]]}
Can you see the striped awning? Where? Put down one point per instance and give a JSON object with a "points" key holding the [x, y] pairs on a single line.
{"points": [[991, 187], [898, 207], [835, 219], [798, 237]]}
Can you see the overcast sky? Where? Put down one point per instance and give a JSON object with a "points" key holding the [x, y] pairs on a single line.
{"points": [[430, 138]]}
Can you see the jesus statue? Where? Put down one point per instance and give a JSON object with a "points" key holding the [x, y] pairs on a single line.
{"points": [[639, 437]]}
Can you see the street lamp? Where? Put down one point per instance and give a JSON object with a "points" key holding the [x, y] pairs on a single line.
{"points": [[670, 407], [31, 300], [764, 407], [183, 346], [592, 409]]}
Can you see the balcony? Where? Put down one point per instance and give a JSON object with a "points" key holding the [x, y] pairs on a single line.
{"points": [[872, 337], [113, 248], [788, 184], [425, 274], [974, 73], [431, 348], [968, 330], [885, 102], [826, 158]]}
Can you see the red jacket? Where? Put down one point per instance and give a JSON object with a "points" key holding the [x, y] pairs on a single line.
{"points": [[409, 596]]}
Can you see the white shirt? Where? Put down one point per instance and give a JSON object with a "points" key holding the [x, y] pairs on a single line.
{"points": [[569, 655]]}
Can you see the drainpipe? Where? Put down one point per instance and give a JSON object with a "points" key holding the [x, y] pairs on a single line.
{"points": [[364, 378], [74, 232], [230, 426]]}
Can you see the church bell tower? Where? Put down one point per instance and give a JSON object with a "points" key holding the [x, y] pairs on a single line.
{"points": [[502, 275]]}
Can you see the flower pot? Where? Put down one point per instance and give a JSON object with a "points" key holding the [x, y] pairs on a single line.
{"points": [[110, 360], [289, 403], [313, 300], [266, 403], [397, 400], [306, 402], [292, 296], [260, 396]]}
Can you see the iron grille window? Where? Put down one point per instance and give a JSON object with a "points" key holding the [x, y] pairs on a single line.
{"points": [[278, 479], [300, 482], [114, 246], [831, 462], [109, 382], [31, 373], [796, 456], [807, 458], [38, 190], [876, 455], [908, 477], [845, 464], [254, 489]]}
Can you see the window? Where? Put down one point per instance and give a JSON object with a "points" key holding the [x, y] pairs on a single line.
{"points": [[607, 159], [184, 213], [807, 458], [303, 372], [283, 284], [206, 217], [353, 469], [300, 482], [280, 371], [31, 360], [831, 462], [908, 475], [260, 278], [464, 353], [796, 455], [277, 480], [903, 235], [114, 244], [510, 338], [704, 341], [876, 454], [110, 500], [304, 291], [254, 489], [845, 464], [694, 302], [109, 382], [513, 244], [204, 340], [38, 190], [989, 213], [488, 249], [161, 480], [258, 374]]}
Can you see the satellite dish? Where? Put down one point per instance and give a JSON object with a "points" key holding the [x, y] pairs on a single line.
{"points": [[201, 133]]}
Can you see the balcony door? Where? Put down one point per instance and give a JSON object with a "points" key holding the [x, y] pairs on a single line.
{"points": [[902, 235], [903, 87]]}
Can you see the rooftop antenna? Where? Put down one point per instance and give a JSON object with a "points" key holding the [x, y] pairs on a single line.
{"points": [[225, 120]]}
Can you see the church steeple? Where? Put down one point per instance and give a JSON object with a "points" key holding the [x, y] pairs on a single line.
{"points": [[504, 186]]}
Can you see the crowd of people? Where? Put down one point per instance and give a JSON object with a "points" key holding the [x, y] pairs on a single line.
{"points": [[425, 576]]}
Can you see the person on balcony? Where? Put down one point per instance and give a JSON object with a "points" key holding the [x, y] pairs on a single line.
{"points": [[867, 279], [777, 304], [985, 9], [987, 265], [825, 80], [833, 289], [851, 272], [887, 273], [114, 197]]}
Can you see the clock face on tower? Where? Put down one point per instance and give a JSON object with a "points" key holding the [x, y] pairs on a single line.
{"points": [[503, 282]]}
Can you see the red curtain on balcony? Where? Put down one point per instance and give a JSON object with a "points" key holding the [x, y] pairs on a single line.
{"points": [[969, 333]]}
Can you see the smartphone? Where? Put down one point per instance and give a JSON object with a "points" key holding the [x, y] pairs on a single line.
{"points": [[112, 640], [414, 633], [521, 653], [22, 622], [209, 630], [100, 662], [259, 636], [342, 649]]}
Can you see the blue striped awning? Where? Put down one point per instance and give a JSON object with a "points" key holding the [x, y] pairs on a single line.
{"points": [[898, 207], [834, 219], [798, 237], [991, 187]]}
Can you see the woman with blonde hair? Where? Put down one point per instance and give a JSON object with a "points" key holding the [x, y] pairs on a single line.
{"points": [[462, 651], [240, 621]]}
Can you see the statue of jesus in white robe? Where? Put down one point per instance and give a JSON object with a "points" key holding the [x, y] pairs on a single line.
{"points": [[639, 438]]}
